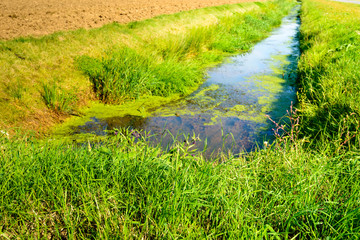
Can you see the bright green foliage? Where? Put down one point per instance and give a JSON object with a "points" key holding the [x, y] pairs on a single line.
{"points": [[125, 74], [56, 98], [182, 44], [329, 70], [27, 63], [123, 188], [173, 64]]}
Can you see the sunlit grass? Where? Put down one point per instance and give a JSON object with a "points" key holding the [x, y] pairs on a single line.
{"points": [[28, 63], [174, 64], [124, 188], [306, 185], [329, 70]]}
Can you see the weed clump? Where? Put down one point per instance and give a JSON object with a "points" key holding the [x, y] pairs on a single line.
{"points": [[125, 75], [58, 99]]}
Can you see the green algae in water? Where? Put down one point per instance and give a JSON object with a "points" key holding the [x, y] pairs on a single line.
{"points": [[238, 108], [143, 107], [232, 104]]}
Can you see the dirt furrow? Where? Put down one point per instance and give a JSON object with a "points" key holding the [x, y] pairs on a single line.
{"points": [[41, 17]]}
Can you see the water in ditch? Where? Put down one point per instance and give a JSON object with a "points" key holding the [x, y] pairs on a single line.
{"points": [[231, 110]]}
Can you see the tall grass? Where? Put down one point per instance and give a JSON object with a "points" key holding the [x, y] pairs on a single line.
{"points": [[122, 188], [173, 63], [58, 99], [126, 74], [329, 71], [30, 61]]}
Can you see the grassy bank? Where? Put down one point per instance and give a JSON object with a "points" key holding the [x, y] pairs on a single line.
{"points": [[304, 186], [329, 71], [125, 189], [44, 80]]}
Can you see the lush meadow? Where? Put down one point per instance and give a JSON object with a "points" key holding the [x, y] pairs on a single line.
{"points": [[304, 186]]}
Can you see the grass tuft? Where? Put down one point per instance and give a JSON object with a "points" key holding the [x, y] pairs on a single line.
{"points": [[57, 99]]}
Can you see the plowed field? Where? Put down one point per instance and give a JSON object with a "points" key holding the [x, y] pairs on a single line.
{"points": [[40, 17]]}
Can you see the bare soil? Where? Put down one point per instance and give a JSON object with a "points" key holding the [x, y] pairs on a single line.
{"points": [[41, 17]]}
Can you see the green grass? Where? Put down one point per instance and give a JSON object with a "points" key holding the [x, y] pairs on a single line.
{"points": [[57, 99], [329, 70], [304, 186], [181, 44], [175, 63], [126, 75], [122, 188]]}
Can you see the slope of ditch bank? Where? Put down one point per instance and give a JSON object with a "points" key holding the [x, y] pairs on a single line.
{"points": [[230, 110], [329, 72], [171, 63], [42, 83]]}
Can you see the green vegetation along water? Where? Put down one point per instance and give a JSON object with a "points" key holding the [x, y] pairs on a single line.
{"points": [[231, 109], [306, 185], [42, 80]]}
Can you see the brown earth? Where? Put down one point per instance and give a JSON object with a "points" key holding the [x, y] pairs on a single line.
{"points": [[41, 17]]}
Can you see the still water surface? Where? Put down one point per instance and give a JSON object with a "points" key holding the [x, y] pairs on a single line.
{"points": [[229, 110]]}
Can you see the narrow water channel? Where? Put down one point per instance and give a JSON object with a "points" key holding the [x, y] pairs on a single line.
{"points": [[228, 112]]}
